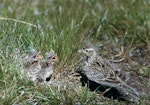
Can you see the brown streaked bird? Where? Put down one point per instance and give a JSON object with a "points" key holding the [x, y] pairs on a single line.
{"points": [[47, 67], [97, 63], [102, 72], [32, 66]]}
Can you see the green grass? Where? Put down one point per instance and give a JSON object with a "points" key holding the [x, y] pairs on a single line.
{"points": [[64, 26]]}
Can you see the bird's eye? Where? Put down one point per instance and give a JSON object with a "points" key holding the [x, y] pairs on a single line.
{"points": [[34, 56], [86, 50], [48, 57]]}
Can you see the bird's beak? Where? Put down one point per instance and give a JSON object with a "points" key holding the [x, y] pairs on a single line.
{"points": [[39, 56], [55, 58], [81, 51]]}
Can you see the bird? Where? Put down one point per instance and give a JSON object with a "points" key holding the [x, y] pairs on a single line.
{"points": [[102, 72], [97, 63], [47, 66], [32, 65]]}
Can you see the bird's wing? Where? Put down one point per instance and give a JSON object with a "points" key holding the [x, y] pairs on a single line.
{"points": [[96, 76], [106, 64]]}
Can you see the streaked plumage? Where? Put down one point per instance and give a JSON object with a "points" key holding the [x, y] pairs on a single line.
{"points": [[97, 64], [102, 72]]}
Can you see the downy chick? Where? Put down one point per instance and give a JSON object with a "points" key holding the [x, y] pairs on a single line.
{"points": [[47, 67], [32, 66]]}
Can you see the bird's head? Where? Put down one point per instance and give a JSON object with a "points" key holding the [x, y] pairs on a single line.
{"points": [[90, 52], [32, 58], [51, 57], [35, 55]]}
